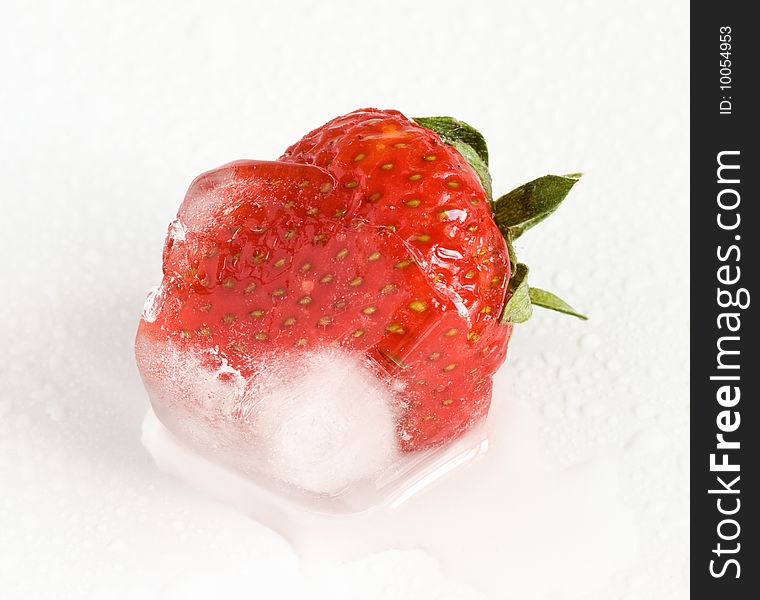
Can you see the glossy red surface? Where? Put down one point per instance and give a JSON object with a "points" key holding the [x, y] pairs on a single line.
{"points": [[370, 234]]}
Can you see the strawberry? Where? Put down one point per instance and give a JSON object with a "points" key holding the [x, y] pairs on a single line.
{"points": [[374, 233]]}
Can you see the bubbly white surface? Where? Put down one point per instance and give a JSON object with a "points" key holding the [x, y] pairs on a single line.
{"points": [[111, 109]]}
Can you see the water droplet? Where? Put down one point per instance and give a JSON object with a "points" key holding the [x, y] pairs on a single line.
{"points": [[590, 341], [593, 409], [563, 279], [22, 422], [614, 366], [644, 410], [56, 412], [648, 442], [551, 360], [551, 410], [6, 405]]}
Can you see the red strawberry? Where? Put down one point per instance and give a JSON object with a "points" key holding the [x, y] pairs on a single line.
{"points": [[373, 233]]}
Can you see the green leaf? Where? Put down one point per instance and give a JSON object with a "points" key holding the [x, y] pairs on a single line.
{"points": [[518, 308], [467, 140], [545, 299], [510, 250], [480, 168], [529, 204], [452, 130]]}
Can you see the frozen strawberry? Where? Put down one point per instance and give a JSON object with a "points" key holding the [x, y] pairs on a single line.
{"points": [[374, 234]]}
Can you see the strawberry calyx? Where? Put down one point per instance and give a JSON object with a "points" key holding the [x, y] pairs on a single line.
{"points": [[514, 213], [467, 140]]}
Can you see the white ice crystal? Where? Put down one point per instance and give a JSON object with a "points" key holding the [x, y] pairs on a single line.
{"points": [[152, 304], [177, 230], [326, 425], [321, 422]]}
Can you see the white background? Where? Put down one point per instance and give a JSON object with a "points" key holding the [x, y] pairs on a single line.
{"points": [[108, 110]]}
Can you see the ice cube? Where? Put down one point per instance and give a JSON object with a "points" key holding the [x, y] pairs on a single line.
{"points": [[318, 422]]}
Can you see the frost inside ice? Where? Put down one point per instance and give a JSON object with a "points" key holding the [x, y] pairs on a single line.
{"points": [[326, 425], [320, 423], [177, 230], [151, 306]]}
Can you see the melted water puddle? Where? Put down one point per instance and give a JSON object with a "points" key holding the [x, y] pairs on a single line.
{"points": [[490, 512]]}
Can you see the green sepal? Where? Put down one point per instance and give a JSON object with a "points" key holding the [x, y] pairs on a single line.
{"points": [[514, 213], [523, 297], [510, 250], [467, 140], [529, 204], [452, 130], [544, 299], [480, 168], [518, 308]]}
